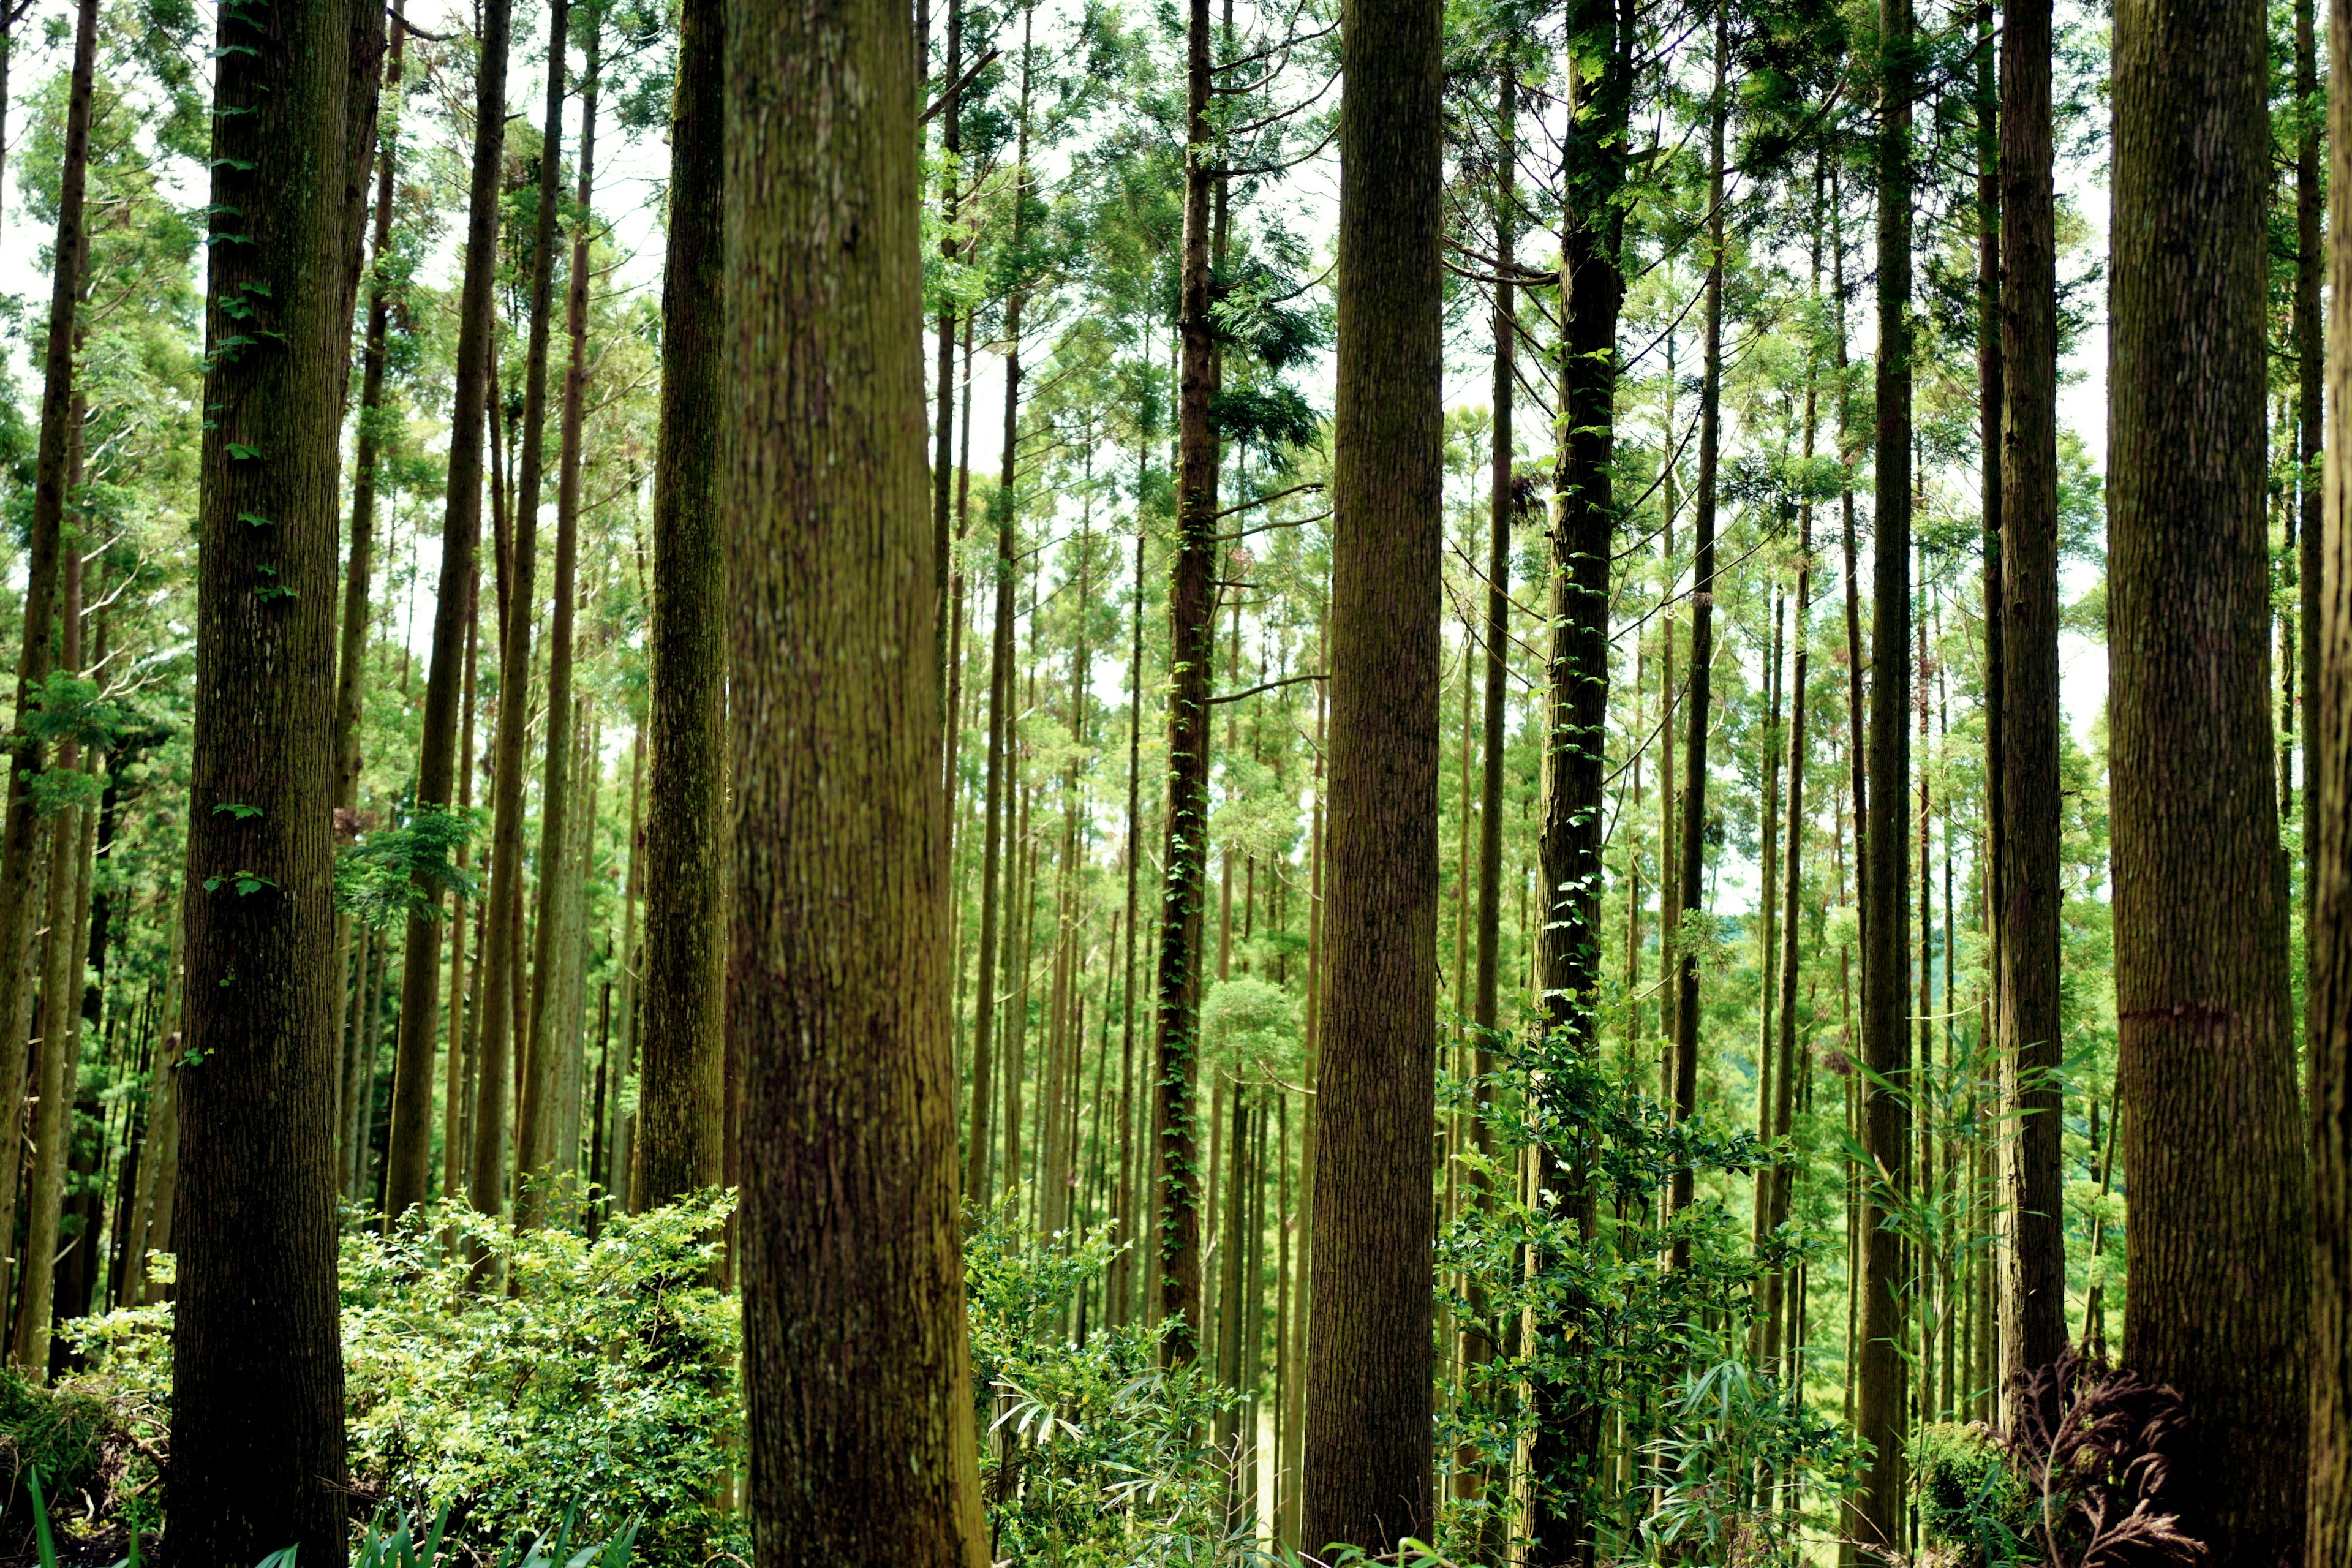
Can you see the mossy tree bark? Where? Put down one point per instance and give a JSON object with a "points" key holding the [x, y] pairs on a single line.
{"points": [[258, 1377], [683, 1041], [863, 1448]]}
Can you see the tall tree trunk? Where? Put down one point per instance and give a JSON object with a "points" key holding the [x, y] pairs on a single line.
{"points": [[2028, 882], [553, 1040], [2310, 402], [682, 1035], [57, 1069], [1874, 1514], [2215, 1240], [501, 979], [1192, 637], [951, 146], [258, 1379], [408, 1170], [1691, 877], [535, 1077], [1367, 1480], [1561, 1451], [863, 1444], [454, 1079], [2328, 815], [476, 386], [20, 839], [1471, 1479]]}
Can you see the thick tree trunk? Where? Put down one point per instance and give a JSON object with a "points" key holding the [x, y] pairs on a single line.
{"points": [[679, 1089], [1874, 1515], [2211, 1135], [863, 1443], [2033, 1264], [1367, 1480], [258, 1380], [20, 839], [1192, 640]]}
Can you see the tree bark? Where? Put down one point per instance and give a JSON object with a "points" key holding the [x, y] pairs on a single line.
{"points": [[57, 1068], [863, 1448], [2033, 1265], [554, 1038], [502, 941], [535, 1079], [258, 1380], [1191, 650], [1874, 1515], [476, 386], [1368, 1404], [1478, 1339], [2215, 1240], [1561, 1453], [684, 1044], [1691, 877], [20, 838], [2328, 816]]}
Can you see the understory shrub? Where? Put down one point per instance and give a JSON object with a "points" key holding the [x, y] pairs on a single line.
{"points": [[603, 1390]]}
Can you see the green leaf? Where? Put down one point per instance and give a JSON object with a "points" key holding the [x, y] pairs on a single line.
{"points": [[241, 812], [256, 519], [239, 451]]}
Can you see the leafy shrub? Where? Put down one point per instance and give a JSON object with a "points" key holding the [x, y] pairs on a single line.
{"points": [[605, 1388], [1091, 1456], [1973, 1508]]}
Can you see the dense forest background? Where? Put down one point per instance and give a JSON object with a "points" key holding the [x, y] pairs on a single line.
{"points": [[1731, 843]]}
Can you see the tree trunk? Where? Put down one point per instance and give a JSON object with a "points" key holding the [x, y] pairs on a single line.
{"points": [[1369, 1406], [2215, 1244], [453, 1057], [2327, 815], [258, 1380], [863, 1444], [501, 939], [2033, 1264], [2310, 408], [58, 1070], [20, 839], [1471, 1479], [1874, 1514], [534, 1133], [1690, 878], [1562, 1447], [679, 1088], [553, 1040], [1191, 638]]}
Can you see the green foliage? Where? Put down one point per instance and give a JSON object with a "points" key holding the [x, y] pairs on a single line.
{"points": [[60, 1432], [1971, 1506], [603, 1390], [395, 873], [1090, 1454], [1618, 1330]]}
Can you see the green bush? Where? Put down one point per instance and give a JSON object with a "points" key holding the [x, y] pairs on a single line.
{"points": [[604, 1389], [1973, 1510]]}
